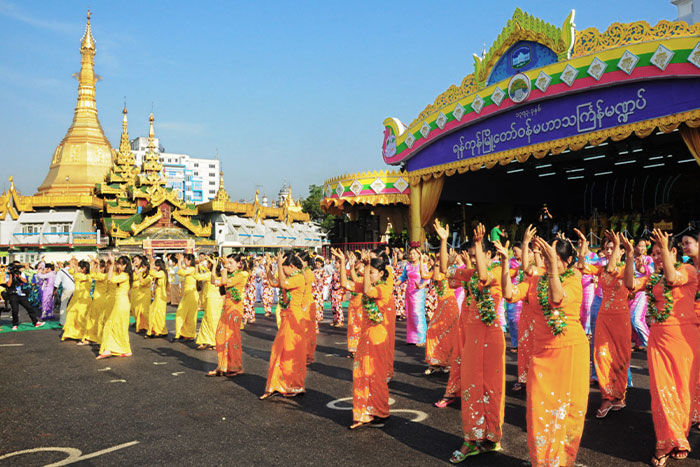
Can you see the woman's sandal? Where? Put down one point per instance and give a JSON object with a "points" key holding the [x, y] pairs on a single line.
{"points": [[267, 395], [459, 456], [215, 373], [619, 406], [230, 374], [444, 402], [517, 387], [430, 370], [660, 461], [679, 454], [602, 413], [103, 355]]}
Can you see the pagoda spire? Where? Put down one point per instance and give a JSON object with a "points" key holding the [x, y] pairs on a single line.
{"points": [[221, 194], [124, 146], [151, 135], [84, 156]]}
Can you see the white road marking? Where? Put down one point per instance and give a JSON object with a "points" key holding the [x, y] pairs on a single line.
{"points": [[160, 363], [420, 415], [118, 381], [636, 367], [11, 345], [334, 404], [74, 455], [337, 343], [104, 369], [178, 373]]}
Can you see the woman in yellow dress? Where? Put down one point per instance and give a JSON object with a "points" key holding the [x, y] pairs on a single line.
{"points": [[186, 315], [115, 337], [135, 292], [96, 311], [76, 314], [142, 295], [213, 302], [156, 312]]}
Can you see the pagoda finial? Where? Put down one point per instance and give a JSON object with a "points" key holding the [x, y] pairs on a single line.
{"points": [[124, 146], [88, 42], [151, 135], [221, 194]]}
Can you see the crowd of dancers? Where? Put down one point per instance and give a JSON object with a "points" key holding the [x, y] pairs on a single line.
{"points": [[457, 306]]}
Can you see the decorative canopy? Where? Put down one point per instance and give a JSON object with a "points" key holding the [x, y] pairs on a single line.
{"points": [[370, 188]]}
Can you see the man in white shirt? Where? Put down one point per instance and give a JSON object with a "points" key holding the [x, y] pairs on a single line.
{"points": [[64, 278]]}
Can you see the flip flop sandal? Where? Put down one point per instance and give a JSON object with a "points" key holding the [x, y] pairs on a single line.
{"points": [[660, 461], [618, 407], [679, 455], [444, 402], [458, 456], [602, 413]]}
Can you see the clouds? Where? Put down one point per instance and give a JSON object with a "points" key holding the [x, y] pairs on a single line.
{"points": [[11, 10]]}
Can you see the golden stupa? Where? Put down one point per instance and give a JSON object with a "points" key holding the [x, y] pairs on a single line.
{"points": [[84, 156]]}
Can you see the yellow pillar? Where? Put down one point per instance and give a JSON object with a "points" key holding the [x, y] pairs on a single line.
{"points": [[415, 231]]}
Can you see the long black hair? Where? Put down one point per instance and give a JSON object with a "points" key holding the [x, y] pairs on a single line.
{"points": [[380, 265], [160, 264], [292, 260], [565, 250], [84, 266], [126, 262]]}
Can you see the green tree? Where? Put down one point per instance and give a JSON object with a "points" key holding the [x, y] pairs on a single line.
{"points": [[312, 206]]}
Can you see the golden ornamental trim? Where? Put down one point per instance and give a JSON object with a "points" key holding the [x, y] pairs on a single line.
{"points": [[590, 40], [146, 222]]}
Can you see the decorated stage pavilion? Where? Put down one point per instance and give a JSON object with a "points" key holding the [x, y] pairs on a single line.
{"points": [[601, 126]]}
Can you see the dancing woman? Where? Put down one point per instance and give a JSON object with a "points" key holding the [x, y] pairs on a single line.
{"points": [[249, 294], [96, 310], [76, 314], [186, 314], [115, 337], [158, 308], [229, 351], [441, 337], [415, 299], [483, 356], [370, 389], [613, 331], [558, 396], [206, 337], [309, 307], [674, 344], [357, 269], [398, 265], [690, 241], [141, 295], [319, 280], [287, 372]]}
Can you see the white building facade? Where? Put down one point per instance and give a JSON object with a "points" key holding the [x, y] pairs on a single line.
{"points": [[195, 179]]}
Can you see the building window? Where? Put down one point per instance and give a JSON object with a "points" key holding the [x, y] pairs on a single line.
{"points": [[196, 165], [196, 173], [212, 174], [212, 192], [212, 166], [212, 183]]}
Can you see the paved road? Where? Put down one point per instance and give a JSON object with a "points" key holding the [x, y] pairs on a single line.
{"points": [[57, 395]]}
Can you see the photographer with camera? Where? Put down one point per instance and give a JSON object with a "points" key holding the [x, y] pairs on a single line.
{"points": [[15, 280]]}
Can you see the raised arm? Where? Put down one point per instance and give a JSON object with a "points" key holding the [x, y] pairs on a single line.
{"points": [[629, 265], [661, 239], [506, 283], [443, 233], [527, 238], [556, 289], [481, 266]]}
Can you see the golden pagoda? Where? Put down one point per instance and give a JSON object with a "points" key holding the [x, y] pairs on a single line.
{"points": [[84, 156]]}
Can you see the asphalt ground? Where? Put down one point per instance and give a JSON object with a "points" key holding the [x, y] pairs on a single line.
{"points": [[157, 408]]}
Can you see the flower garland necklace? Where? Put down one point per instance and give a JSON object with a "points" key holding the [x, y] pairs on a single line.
{"points": [[441, 287], [286, 298], [484, 301], [370, 306], [656, 315], [235, 294], [556, 318]]}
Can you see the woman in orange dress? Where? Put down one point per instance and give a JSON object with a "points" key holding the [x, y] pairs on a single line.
{"points": [[229, 351], [356, 268], [287, 372], [673, 352], [308, 306], [613, 331], [557, 395], [690, 241], [483, 356], [532, 270], [370, 387], [441, 336]]}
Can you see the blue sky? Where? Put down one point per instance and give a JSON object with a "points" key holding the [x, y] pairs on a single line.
{"points": [[293, 91]]}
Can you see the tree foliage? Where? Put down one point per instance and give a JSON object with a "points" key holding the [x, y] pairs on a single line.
{"points": [[312, 206]]}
